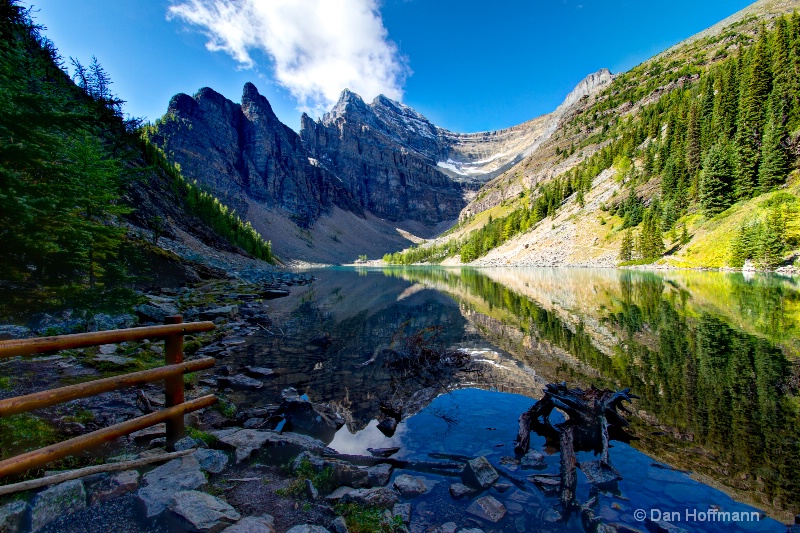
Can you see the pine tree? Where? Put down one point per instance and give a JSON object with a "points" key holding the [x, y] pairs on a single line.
{"points": [[693, 146], [626, 248], [773, 239], [715, 184], [774, 161], [751, 118]]}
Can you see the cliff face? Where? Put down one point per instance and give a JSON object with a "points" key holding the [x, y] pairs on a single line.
{"points": [[242, 151], [386, 156]]}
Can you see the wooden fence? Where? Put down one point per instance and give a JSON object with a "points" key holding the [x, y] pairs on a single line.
{"points": [[172, 332]]}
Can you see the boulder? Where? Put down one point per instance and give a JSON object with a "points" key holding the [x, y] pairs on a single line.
{"points": [[163, 482], [12, 516], [388, 426], [57, 501], [203, 512], [151, 313], [410, 486], [338, 494], [311, 491], [459, 490], [487, 508], [378, 475], [449, 527], [212, 461], [186, 443], [10, 331], [381, 497], [480, 473], [253, 524], [258, 372], [114, 486], [247, 441]]}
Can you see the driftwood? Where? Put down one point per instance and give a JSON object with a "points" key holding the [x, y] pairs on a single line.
{"points": [[89, 470], [590, 415]]}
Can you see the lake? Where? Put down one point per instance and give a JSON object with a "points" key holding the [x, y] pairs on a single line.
{"points": [[713, 358]]}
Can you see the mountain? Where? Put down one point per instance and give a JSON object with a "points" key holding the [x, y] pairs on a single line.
{"points": [[686, 160], [381, 169]]}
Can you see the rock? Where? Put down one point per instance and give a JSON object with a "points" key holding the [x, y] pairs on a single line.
{"points": [[339, 525], [548, 485], [311, 491], [388, 426], [403, 511], [212, 461], [240, 382], [258, 372], [480, 473], [533, 459], [502, 487], [449, 527], [383, 452], [225, 311], [186, 443], [381, 497], [338, 494], [151, 313], [410, 486], [379, 475], [247, 441], [10, 331], [343, 473], [459, 490], [615, 528], [106, 349], [164, 481], [470, 530], [103, 322], [253, 524], [253, 423], [313, 419], [57, 501], [598, 472], [12, 516], [487, 508], [308, 528], [113, 486], [203, 512]]}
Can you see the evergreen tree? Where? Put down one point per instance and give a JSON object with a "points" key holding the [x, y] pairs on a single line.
{"points": [[715, 184], [626, 248]]}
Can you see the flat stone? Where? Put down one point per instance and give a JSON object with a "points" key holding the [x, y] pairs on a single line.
{"points": [[107, 349], [449, 527], [12, 516], [339, 525], [245, 442], [381, 497], [239, 381], [480, 473], [225, 311], [338, 494], [308, 528], [258, 371], [57, 501], [212, 461], [162, 483], [186, 443], [403, 511], [410, 486], [203, 512], [114, 486], [378, 475], [487, 508], [459, 490], [253, 524], [533, 459], [598, 473], [470, 530], [253, 423]]}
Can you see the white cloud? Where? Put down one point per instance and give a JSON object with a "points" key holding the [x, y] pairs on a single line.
{"points": [[317, 47]]}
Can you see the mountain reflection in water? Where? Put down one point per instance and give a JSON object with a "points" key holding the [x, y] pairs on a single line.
{"points": [[712, 357]]}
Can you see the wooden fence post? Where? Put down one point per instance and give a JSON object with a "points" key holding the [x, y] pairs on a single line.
{"points": [[173, 387]]}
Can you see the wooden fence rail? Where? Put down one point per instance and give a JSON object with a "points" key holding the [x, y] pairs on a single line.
{"points": [[172, 374]]}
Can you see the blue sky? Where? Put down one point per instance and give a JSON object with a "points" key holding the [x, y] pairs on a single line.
{"points": [[468, 65]]}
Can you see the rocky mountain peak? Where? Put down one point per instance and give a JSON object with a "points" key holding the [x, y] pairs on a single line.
{"points": [[587, 86]]}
